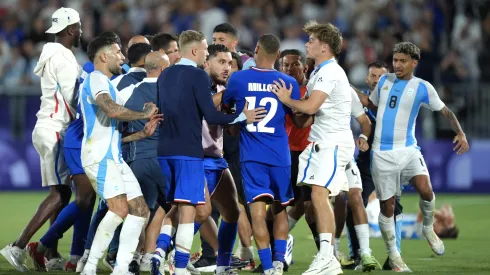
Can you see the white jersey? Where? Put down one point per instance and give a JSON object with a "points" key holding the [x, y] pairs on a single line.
{"points": [[59, 72], [332, 120], [101, 138], [357, 109], [398, 104]]}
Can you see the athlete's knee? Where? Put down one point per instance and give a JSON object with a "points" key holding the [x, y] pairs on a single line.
{"points": [[60, 194], [319, 195], [203, 212], [119, 206], [387, 207], [355, 198], [138, 207]]}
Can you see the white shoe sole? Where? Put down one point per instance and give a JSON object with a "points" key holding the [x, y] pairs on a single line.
{"points": [[209, 268], [12, 261]]}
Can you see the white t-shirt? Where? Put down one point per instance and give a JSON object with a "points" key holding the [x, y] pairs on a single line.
{"points": [[101, 138], [332, 120], [357, 109]]}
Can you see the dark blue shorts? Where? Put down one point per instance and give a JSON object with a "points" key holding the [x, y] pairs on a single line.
{"points": [[263, 180], [213, 169], [184, 178], [149, 175], [73, 160]]}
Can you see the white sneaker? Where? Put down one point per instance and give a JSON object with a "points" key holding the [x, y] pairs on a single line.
{"points": [[171, 262], [55, 264], [16, 257], [228, 271], [146, 263], [158, 263], [278, 268], [399, 265], [269, 272], [192, 270], [324, 266], [83, 260], [435, 243], [88, 272], [288, 258]]}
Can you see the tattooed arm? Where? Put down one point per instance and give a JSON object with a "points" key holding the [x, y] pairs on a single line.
{"points": [[116, 111], [148, 131], [460, 138]]}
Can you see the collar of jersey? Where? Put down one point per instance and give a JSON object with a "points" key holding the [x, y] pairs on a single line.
{"points": [[136, 70], [150, 79], [263, 70], [186, 61]]}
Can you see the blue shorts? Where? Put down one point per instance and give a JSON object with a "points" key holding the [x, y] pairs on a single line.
{"points": [[184, 178], [263, 180], [73, 160], [213, 169]]}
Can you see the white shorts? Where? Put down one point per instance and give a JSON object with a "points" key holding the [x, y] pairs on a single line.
{"points": [[324, 165], [49, 146], [353, 176], [391, 169], [110, 179]]}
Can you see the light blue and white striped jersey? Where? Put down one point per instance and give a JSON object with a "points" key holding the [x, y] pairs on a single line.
{"points": [[398, 104], [101, 139]]}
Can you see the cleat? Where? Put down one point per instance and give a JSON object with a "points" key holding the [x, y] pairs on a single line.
{"points": [[435, 243], [109, 262], [192, 270], [16, 257], [205, 264], [69, 267], [278, 268], [37, 257], [321, 265], [369, 263], [250, 266], [398, 265], [81, 263], [157, 263], [288, 257], [386, 265], [228, 271], [55, 264]]}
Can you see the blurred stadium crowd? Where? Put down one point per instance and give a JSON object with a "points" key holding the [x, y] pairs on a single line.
{"points": [[452, 34]]}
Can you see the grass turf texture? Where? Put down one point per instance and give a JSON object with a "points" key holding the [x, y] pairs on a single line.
{"points": [[469, 254]]}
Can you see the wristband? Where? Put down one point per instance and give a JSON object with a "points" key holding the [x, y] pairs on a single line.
{"points": [[363, 136]]}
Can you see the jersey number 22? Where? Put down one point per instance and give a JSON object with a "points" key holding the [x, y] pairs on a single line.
{"points": [[261, 126]]}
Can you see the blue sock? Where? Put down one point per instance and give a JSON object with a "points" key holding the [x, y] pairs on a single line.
{"points": [[398, 233], [80, 232], [114, 245], [163, 241], [196, 227], [65, 220], [265, 256], [98, 216], [226, 240], [280, 250], [181, 259]]}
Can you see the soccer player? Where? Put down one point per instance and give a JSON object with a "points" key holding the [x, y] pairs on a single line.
{"points": [[396, 158], [59, 71], [180, 142], [101, 157], [227, 35], [168, 44], [142, 156], [264, 150], [322, 164]]}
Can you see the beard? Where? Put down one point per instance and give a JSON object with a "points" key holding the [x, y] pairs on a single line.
{"points": [[116, 70], [216, 79]]}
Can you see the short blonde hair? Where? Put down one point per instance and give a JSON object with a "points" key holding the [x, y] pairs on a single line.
{"points": [[189, 37], [326, 33]]}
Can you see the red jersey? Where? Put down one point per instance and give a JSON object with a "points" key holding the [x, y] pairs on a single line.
{"points": [[298, 138]]}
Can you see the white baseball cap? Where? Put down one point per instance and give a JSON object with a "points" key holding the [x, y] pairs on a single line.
{"points": [[62, 18]]}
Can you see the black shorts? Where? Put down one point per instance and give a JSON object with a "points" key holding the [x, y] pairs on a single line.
{"points": [[300, 192]]}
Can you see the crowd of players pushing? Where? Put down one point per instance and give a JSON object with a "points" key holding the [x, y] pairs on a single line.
{"points": [[175, 156]]}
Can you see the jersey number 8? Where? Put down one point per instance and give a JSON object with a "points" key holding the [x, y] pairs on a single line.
{"points": [[261, 126], [393, 100]]}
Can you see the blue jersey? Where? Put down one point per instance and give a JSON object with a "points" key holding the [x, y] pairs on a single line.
{"points": [[265, 141]]}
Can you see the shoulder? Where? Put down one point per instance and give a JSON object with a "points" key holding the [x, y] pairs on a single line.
{"points": [[424, 84], [286, 77], [390, 77]]}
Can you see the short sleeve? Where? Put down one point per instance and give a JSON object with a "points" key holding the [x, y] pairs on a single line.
{"points": [[432, 101], [356, 109], [99, 84], [325, 81]]}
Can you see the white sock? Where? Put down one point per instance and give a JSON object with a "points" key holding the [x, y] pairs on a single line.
{"points": [[128, 241], [427, 208], [168, 229], [291, 222], [183, 242], [325, 244], [336, 244], [247, 253], [362, 232], [387, 228], [102, 238], [146, 257]]}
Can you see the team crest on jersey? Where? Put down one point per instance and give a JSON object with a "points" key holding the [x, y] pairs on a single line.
{"points": [[385, 88], [320, 79], [410, 91]]}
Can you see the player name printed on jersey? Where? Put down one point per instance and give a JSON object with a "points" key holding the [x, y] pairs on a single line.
{"points": [[259, 87]]}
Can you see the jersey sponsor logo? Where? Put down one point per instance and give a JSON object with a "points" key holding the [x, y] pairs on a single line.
{"points": [[259, 87]]}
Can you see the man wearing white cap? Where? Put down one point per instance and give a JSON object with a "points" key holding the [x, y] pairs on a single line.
{"points": [[59, 72]]}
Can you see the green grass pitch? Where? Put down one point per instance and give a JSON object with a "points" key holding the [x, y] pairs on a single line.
{"points": [[469, 254]]}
